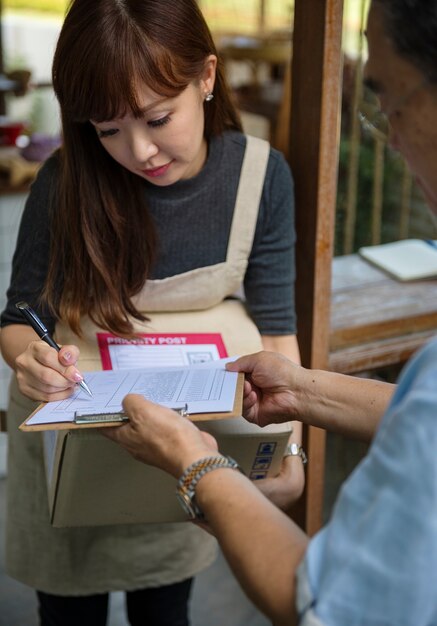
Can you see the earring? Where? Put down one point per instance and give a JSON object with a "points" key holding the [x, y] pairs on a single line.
{"points": [[209, 96]]}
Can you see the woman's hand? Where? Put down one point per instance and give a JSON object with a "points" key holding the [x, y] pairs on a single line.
{"points": [[161, 437], [285, 489], [45, 375]]}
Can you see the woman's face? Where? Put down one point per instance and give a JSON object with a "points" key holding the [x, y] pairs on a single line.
{"points": [[167, 143]]}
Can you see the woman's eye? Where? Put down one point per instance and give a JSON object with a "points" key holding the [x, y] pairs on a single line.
{"points": [[161, 122], [106, 133]]}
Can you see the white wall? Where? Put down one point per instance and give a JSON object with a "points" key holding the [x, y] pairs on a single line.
{"points": [[29, 42]]}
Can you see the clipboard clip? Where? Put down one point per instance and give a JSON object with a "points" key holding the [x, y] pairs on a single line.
{"points": [[183, 411], [106, 418], [99, 418]]}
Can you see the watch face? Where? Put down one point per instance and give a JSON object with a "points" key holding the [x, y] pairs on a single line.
{"points": [[294, 449], [186, 503]]}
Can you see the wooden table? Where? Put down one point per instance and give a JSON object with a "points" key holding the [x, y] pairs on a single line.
{"points": [[377, 321], [16, 173]]}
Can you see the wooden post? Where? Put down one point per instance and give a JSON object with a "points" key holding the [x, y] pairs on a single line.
{"points": [[314, 143], [262, 16], [407, 185], [353, 163], [2, 95], [378, 189]]}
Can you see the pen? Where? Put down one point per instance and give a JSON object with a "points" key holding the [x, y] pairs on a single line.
{"points": [[43, 333]]}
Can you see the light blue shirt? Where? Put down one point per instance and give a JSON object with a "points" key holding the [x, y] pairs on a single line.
{"points": [[375, 563]]}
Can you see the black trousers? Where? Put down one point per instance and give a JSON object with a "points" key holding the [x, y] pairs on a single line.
{"points": [[160, 606]]}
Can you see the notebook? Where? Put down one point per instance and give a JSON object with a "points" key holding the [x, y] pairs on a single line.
{"points": [[408, 259]]}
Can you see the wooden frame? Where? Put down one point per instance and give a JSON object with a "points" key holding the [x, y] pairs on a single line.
{"points": [[2, 95], [313, 154]]}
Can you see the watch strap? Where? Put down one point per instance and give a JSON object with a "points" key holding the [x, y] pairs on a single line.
{"points": [[295, 449], [186, 486]]}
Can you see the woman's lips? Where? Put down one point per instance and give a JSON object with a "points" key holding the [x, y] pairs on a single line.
{"points": [[154, 172]]}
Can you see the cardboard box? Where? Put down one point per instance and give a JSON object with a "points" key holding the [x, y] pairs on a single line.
{"points": [[92, 481]]}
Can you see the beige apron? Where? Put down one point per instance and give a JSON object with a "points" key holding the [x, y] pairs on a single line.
{"points": [[75, 561]]}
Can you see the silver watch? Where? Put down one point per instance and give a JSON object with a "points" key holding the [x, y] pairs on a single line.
{"points": [[294, 449], [189, 505], [186, 487]]}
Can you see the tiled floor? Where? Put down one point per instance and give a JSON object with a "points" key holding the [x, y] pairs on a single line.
{"points": [[216, 600]]}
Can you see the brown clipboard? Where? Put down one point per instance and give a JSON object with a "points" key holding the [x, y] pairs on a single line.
{"points": [[196, 417]]}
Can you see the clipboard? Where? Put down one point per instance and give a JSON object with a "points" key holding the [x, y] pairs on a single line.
{"points": [[120, 418]]}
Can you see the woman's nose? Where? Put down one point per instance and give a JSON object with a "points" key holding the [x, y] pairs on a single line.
{"points": [[142, 147]]}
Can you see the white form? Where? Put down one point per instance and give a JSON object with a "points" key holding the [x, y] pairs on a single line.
{"points": [[128, 356], [159, 350], [206, 388]]}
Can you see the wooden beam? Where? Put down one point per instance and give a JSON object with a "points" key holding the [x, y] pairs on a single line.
{"points": [[2, 95], [262, 16], [3, 427], [313, 154], [1, 39]]}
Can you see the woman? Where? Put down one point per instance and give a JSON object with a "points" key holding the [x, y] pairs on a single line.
{"points": [[151, 215]]}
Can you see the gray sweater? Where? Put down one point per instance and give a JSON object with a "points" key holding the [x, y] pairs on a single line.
{"points": [[205, 201]]}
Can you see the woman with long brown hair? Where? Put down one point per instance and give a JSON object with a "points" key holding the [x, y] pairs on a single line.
{"points": [[151, 215]]}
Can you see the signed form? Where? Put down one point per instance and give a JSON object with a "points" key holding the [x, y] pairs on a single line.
{"points": [[206, 388]]}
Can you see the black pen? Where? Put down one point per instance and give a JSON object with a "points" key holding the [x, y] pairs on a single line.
{"points": [[43, 333]]}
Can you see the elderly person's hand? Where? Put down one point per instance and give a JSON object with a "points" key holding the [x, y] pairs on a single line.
{"points": [[161, 437], [271, 387]]}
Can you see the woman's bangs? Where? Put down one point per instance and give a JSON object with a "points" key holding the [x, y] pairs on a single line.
{"points": [[110, 89], [101, 96], [154, 67]]}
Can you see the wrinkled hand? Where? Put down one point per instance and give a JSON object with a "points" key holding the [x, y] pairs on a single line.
{"points": [[160, 437], [44, 374], [270, 388]]}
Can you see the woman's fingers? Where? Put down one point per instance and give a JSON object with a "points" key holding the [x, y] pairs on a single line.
{"points": [[46, 375]]}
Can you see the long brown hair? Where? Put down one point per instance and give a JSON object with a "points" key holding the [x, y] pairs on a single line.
{"points": [[103, 240]]}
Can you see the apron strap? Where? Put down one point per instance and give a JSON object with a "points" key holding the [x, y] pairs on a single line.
{"points": [[248, 198]]}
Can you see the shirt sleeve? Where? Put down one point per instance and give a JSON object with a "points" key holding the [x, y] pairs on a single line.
{"points": [[374, 564], [31, 256], [270, 276]]}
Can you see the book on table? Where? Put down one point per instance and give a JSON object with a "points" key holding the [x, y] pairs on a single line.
{"points": [[408, 259]]}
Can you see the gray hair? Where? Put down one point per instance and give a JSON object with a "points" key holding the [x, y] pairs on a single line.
{"points": [[412, 26]]}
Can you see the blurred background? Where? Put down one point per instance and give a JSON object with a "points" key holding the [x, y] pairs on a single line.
{"points": [[255, 41]]}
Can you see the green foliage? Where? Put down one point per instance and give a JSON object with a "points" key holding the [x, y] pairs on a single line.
{"points": [[393, 171], [55, 7]]}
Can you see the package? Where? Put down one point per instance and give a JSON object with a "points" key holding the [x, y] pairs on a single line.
{"points": [[92, 481]]}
